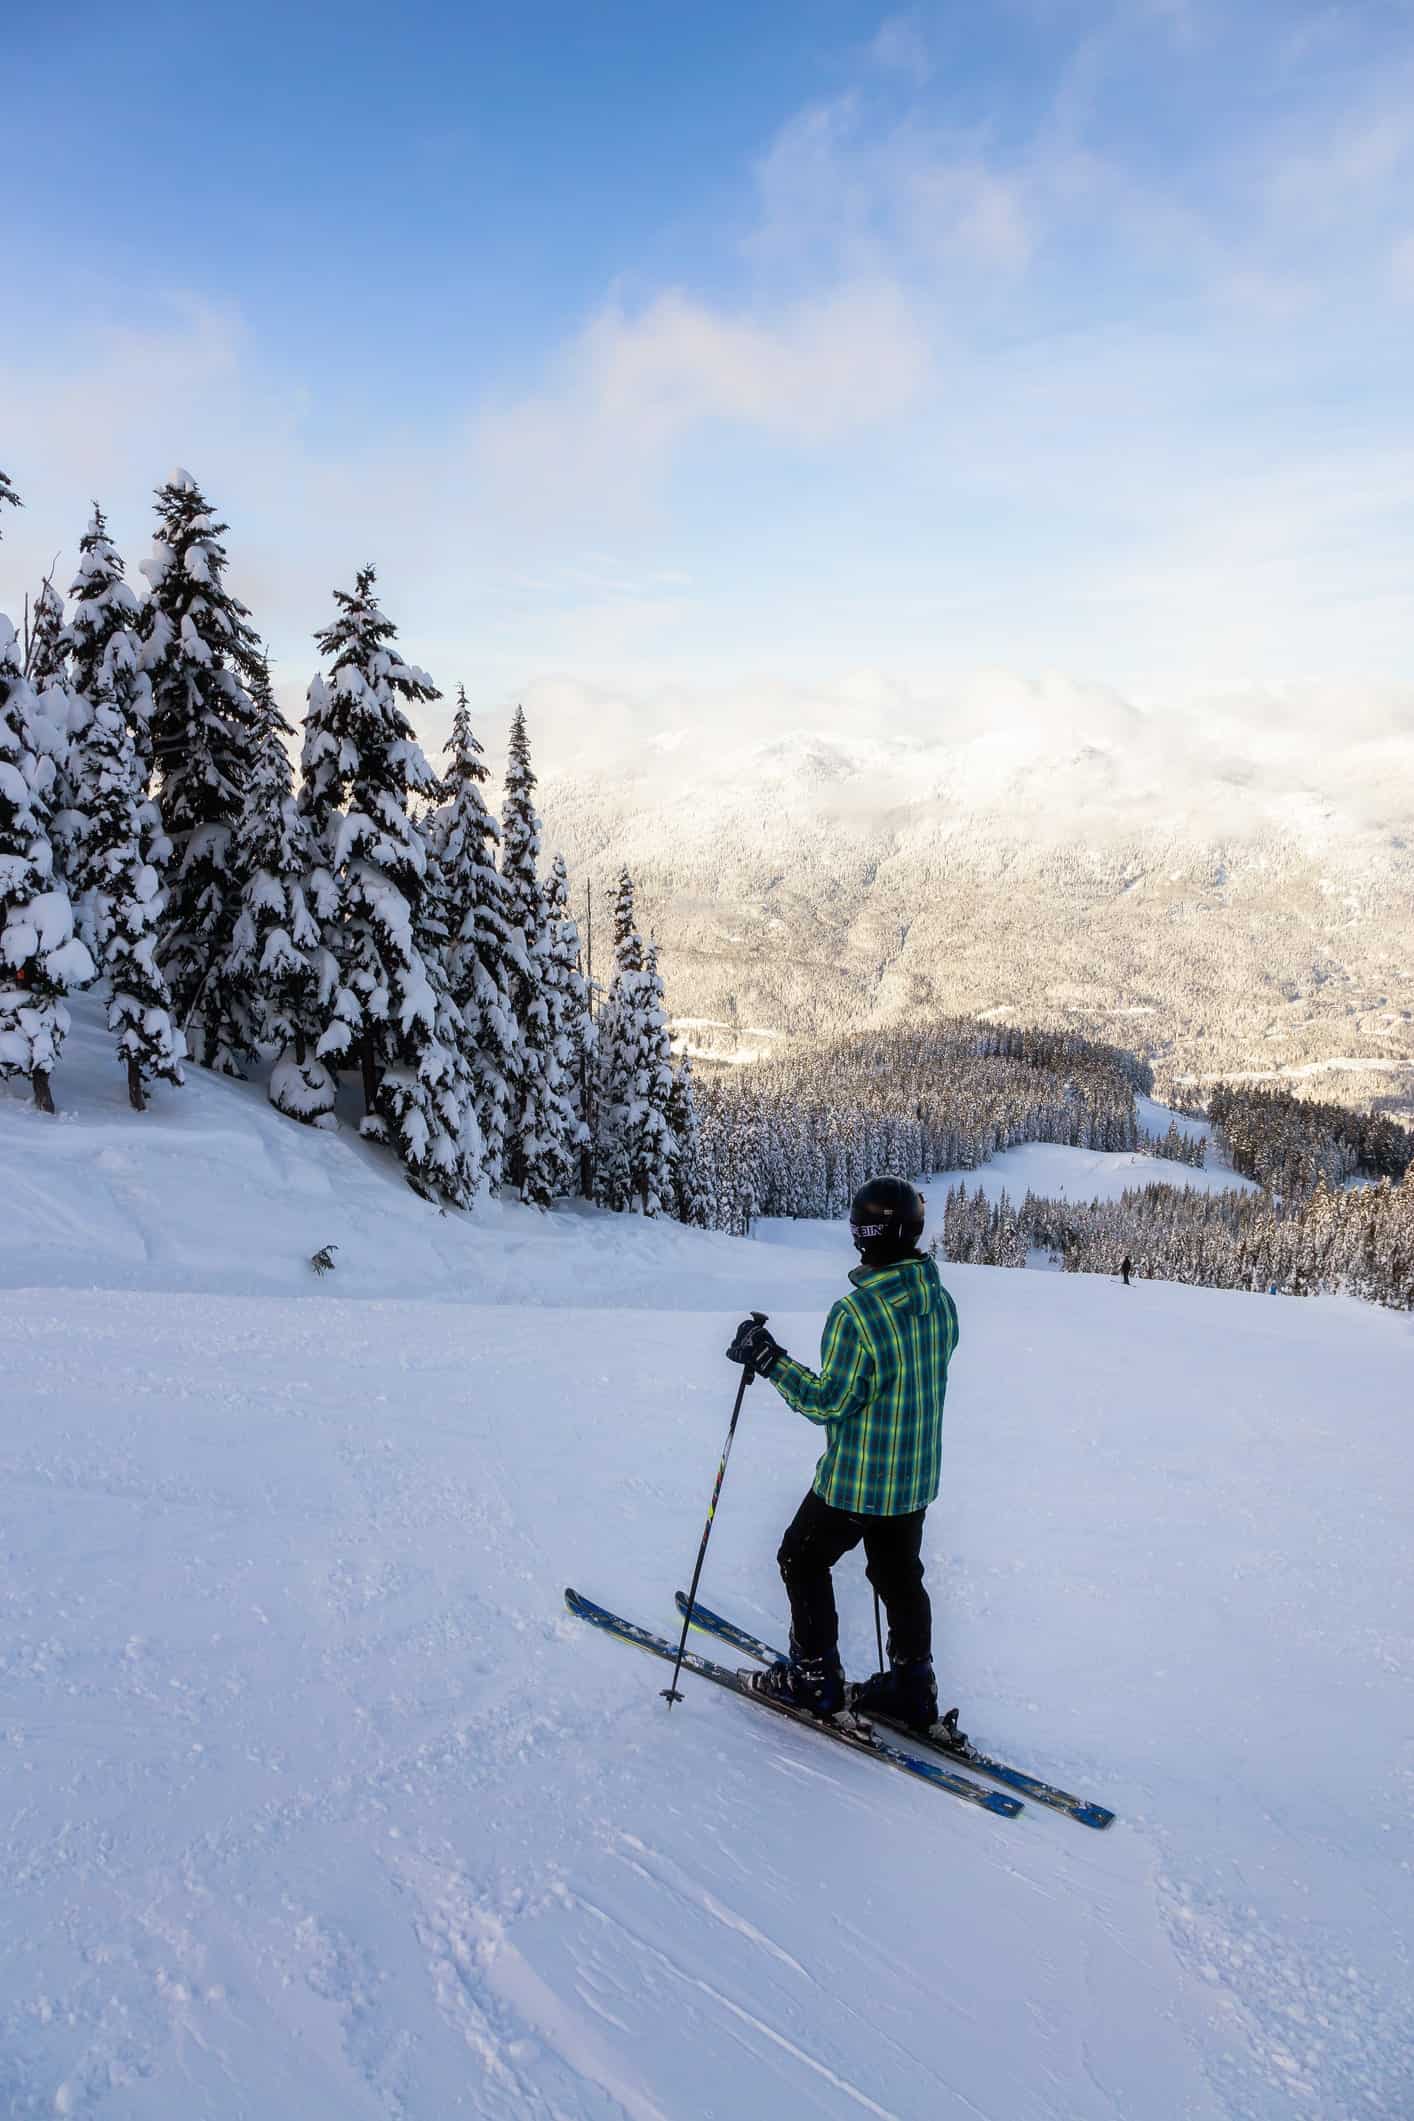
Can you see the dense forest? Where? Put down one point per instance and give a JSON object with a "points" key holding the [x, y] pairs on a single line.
{"points": [[796, 1134]]}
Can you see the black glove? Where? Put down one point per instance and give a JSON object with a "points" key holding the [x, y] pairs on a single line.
{"points": [[755, 1346]]}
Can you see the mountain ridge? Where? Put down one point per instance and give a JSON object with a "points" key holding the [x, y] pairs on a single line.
{"points": [[1226, 917]]}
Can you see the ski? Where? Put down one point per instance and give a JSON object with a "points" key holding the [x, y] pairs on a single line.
{"points": [[865, 1741], [1078, 1808]]}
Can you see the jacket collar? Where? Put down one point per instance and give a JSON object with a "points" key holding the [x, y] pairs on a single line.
{"points": [[860, 1275]]}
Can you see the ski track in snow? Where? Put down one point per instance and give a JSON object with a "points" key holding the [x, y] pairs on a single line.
{"points": [[315, 1802]]}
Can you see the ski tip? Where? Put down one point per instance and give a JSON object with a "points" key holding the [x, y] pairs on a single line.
{"points": [[1094, 1815]]}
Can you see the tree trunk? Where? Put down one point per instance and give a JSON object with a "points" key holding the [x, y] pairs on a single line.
{"points": [[135, 1096], [42, 1095], [369, 1067]]}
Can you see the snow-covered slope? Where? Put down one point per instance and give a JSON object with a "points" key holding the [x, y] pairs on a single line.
{"points": [[316, 1803]]}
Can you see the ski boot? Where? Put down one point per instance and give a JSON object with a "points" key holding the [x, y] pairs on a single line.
{"points": [[907, 1693], [815, 1684]]}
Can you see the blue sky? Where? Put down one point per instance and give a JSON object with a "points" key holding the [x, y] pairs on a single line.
{"points": [[665, 350]]}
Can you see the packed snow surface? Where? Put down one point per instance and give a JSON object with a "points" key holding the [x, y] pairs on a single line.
{"points": [[316, 1803]]}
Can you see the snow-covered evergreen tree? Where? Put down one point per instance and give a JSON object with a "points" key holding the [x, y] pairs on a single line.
{"points": [[200, 655], [41, 959], [634, 1148], [543, 1139], [612, 1056], [121, 892], [278, 966], [692, 1197], [390, 1011], [482, 947], [48, 659], [651, 1144], [105, 651], [47, 667], [445, 1070], [574, 1027], [103, 636]]}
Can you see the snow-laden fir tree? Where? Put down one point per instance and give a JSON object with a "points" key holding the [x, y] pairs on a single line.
{"points": [[278, 966], [104, 641], [456, 1084], [574, 1027], [651, 1145], [105, 649], [48, 659], [542, 1147], [611, 1056], [483, 948], [41, 959], [121, 893], [634, 1150], [692, 1199], [201, 655], [390, 1012], [47, 666]]}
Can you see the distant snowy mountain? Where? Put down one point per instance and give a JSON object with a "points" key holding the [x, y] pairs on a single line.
{"points": [[1231, 891]]}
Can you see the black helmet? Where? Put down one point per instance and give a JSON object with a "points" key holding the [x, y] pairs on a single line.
{"points": [[886, 1220]]}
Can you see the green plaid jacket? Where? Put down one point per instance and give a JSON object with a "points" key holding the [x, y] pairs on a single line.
{"points": [[879, 1393]]}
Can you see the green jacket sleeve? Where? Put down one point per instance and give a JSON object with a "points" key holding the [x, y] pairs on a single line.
{"points": [[846, 1365]]}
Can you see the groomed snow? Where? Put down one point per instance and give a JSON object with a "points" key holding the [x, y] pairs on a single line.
{"points": [[317, 1803]]}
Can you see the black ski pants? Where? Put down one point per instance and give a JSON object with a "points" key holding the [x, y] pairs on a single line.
{"points": [[816, 1538]]}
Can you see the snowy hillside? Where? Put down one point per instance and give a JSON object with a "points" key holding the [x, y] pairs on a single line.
{"points": [[317, 1803]]}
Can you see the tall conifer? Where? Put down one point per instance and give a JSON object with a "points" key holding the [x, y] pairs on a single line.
{"points": [[541, 1146], [482, 949], [201, 656], [104, 638], [47, 666], [692, 1196], [278, 966], [634, 1146], [574, 1027], [390, 1011], [40, 957], [121, 894], [105, 650], [48, 660]]}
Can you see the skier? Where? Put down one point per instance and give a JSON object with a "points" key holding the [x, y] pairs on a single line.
{"points": [[879, 1395], [1126, 1268]]}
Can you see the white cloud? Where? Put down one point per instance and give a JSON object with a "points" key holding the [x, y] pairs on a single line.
{"points": [[630, 388], [967, 210], [838, 196], [899, 47], [1362, 154], [868, 745]]}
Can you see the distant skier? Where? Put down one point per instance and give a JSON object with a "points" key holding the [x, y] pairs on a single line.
{"points": [[1126, 1268], [879, 1394]]}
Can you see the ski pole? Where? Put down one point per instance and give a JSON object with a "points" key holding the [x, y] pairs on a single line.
{"points": [[670, 1692], [879, 1633]]}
